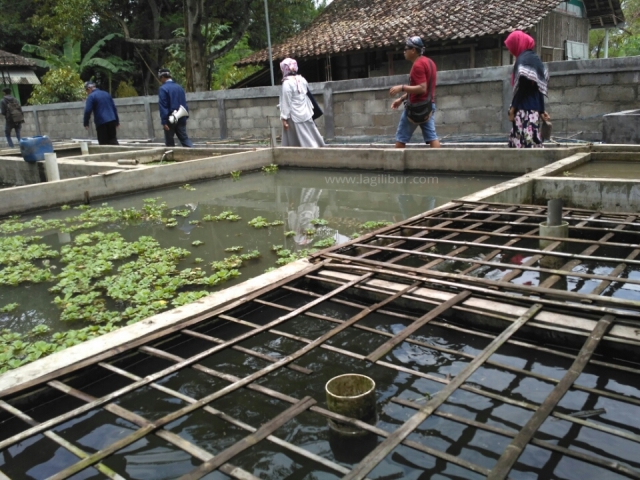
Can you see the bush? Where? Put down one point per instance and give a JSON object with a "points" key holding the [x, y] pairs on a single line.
{"points": [[125, 89], [58, 85]]}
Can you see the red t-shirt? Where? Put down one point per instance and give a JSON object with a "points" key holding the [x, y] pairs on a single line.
{"points": [[423, 71]]}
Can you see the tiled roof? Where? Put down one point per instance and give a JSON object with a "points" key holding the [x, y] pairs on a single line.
{"points": [[10, 59], [351, 25]]}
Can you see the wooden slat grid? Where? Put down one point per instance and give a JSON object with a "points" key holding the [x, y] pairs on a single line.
{"points": [[421, 234]]}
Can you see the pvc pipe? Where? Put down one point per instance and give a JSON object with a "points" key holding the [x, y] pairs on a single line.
{"points": [[354, 396], [606, 43], [266, 16], [84, 148], [51, 167], [127, 161], [554, 212]]}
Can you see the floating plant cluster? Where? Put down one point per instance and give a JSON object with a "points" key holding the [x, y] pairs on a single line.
{"points": [[106, 281]]}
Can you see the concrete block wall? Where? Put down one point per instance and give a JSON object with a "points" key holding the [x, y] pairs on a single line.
{"points": [[472, 101]]}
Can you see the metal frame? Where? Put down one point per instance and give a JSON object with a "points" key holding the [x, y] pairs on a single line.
{"points": [[384, 287]]}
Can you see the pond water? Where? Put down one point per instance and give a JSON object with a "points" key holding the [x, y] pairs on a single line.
{"points": [[294, 198], [607, 169], [153, 458]]}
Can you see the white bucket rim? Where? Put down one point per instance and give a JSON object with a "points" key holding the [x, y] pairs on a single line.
{"points": [[373, 386]]}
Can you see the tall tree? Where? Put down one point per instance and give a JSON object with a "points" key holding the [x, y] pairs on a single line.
{"points": [[242, 16]]}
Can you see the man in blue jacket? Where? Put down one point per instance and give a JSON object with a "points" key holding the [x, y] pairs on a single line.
{"points": [[105, 114], [170, 97]]}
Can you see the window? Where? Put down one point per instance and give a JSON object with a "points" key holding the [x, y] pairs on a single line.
{"points": [[572, 7]]}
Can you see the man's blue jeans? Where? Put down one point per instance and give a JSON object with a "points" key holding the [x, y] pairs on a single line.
{"points": [[7, 132], [180, 129]]}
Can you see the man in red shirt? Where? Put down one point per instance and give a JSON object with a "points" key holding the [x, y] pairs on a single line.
{"points": [[422, 87]]}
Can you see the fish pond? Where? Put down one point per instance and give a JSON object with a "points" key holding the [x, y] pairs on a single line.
{"points": [[76, 272]]}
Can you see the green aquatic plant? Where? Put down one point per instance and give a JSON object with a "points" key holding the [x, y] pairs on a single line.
{"points": [[226, 215], [355, 235], [327, 242], [235, 249], [275, 248], [194, 222], [197, 243], [293, 256], [372, 225], [198, 260], [258, 222], [270, 169], [65, 207], [186, 186], [270, 269], [235, 175], [289, 234], [9, 307], [310, 232], [319, 222], [181, 213]]}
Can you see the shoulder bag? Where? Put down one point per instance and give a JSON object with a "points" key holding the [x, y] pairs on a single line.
{"points": [[420, 112], [317, 111]]}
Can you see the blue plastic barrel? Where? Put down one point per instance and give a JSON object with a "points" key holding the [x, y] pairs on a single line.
{"points": [[33, 149]]}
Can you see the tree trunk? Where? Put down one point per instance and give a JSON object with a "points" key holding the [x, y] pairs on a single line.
{"points": [[196, 44]]}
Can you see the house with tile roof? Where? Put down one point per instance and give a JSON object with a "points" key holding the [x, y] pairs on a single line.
{"points": [[17, 73], [364, 38]]}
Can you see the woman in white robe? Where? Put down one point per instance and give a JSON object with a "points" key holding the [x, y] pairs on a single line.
{"points": [[296, 110]]}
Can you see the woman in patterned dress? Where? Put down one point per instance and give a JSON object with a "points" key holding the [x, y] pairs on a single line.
{"points": [[530, 80]]}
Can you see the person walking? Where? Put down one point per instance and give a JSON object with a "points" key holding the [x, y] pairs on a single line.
{"points": [[296, 109], [105, 114], [530, 80], [13, 116], [419, 96], [170, 97]]}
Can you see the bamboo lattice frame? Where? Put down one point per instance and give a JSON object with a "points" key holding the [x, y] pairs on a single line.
{"points": [[366, 275]]}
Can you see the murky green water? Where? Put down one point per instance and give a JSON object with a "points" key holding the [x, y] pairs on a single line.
{"points": [[345, 200], [607, 169]]}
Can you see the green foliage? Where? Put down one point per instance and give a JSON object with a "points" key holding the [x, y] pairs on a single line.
{"points": [[225, 73], [327, 242], [186, 186], [289, 234], [261, 222], [235, 175], [287, 256], [372, 225], [197, 243], [623, 42], [126, 89], [235, 249], [318, 222], [59, 85], [70, 57], [226, 215], [270, 169], [9, 307]]}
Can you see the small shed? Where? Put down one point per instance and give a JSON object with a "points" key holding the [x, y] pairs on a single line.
{"points": [[17, 73]]}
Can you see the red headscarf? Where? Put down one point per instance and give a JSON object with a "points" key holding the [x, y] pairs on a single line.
{"points": [[518, 41]]}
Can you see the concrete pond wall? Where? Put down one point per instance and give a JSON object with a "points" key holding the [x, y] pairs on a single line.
{"points": [[469, 102]]}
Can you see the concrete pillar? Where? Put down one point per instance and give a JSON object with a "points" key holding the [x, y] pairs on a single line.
{"points": [[507, 95], [329, 124], [147, 110], [222, 116], [36, 120]]}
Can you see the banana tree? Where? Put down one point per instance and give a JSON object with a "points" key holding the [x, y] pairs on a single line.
{"points": [[71, 57]]}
